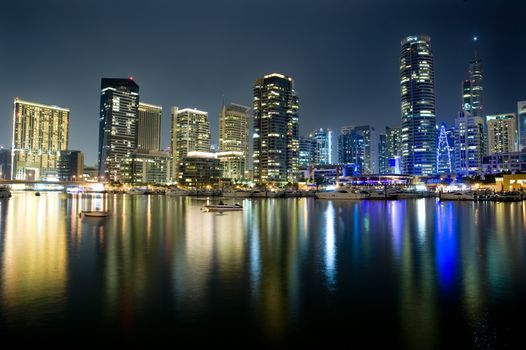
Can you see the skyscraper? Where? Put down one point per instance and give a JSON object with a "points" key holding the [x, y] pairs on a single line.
{"points": [[119, 102], [393, 148], [358, 146], [502, 133], [470, 144], [149, 127], [307, 151], [418, 106], [276, 141], [444, 157], [233, 137], [322, 139], [521, 119], [191, 133], [383, 164], [40, 133], [472, 89]]}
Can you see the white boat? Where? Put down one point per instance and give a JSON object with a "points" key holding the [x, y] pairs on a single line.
{"points": [[221, 207], [236, 193], [458, 196], [341, 193], [4, 192], [177, 192], [95, 213]]}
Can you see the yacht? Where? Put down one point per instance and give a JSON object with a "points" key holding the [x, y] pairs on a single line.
{"points": [[221, 207], [458, 196], [341, 193], [177, 192], [4, 192]]}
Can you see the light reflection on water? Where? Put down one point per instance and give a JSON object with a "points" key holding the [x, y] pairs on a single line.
{"points": [[281, 270]]}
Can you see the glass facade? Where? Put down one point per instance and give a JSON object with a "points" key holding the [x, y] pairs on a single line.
{"points": [[322, 146], [233, 137], [417, 106], [521, 118], [149, 127], [470, 144], [502, 133]]}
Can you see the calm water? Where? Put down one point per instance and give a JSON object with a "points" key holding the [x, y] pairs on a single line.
{"points": [[413, 274]]}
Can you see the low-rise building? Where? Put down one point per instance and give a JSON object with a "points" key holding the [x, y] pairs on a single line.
{"points": [[498, 163], [199, 170]]}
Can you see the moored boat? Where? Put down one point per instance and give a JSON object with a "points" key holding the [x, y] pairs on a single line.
{"points": [[341, 193], [221, 207]]}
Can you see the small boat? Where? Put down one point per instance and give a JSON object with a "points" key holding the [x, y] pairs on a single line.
{"points": [[4, 192], [341, 193], [94, 213], [37, 194], [221, 207]]}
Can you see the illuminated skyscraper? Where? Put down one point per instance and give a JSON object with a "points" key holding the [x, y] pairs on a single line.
{"points": [[472, 88], [233, 137], [393, 148], [418, 106], [40, 133], [444, 157], [357, 145], [470, 144], [119, 102], [322, 139], [149, 127], [521, 118], [191, 133], [383, 164], [276, 140], [502, 133], [307, 151]]}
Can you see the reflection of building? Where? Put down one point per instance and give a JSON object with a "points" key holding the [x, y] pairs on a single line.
{"points": [[199, 170], [71, 166], [521, 119], [418, 106], [40, 132], [5, 164], [149, 167], [119, 103], [276, 141], [149, 127], [469, 144], [504, 162], [322, 139], [190, 133], [233, 137], [502, 133]]}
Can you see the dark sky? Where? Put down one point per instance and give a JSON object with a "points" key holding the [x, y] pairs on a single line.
{"points": [[343, 55]]}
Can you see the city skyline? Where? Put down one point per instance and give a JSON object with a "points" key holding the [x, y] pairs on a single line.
{"points": [[203, 82]]}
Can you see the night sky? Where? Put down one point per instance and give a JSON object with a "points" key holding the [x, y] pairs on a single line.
{"points": [[343, 55]]}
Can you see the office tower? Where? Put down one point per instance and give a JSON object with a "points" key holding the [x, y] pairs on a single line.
{"points": [[357, 145], [191, 132], [417, 106], [444, 161], [502, 133], [370, 153], [149, 127], [119, 102], [521, 119], [71, 166], [233, 137], [470, 144], [473, 90], [40, 132], [276, 141], [5, 163], [393, 146], [307, 151], [322, 146], [383, 164]]}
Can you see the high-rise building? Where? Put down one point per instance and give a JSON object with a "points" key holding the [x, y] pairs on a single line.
{"points": [[502, 133], [233, 137], [470, 144], [276, 139], [393, 149], [472, 89], [322, 146], [40, 133], [521, 119], [190, 133], [383, 163], [445, 163], [149, 127], [5, 163], [71, 166], [357, 145], [307, 151], [418, 106], [119, 102]]}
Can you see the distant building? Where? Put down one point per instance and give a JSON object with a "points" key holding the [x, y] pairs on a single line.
{"points": [[383, 163], [119, 102], [5, 164], [233, 137], [393, 149], [190, 133], [149, 167], [472, 90], [521, 119], [470, 144], [199, 170], [445, 163], [307, 151], [322, 146], [276, 139], [502, 133], [149, 127], [514, 162], [40, 133], [71, 166], [358, 145], [233, 164], [417, 106]]}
